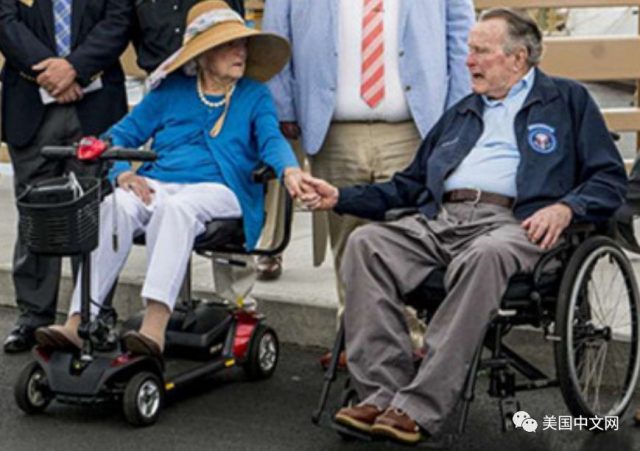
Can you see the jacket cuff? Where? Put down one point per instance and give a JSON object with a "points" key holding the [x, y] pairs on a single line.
{"points": [[576, 204], [344, 199]]}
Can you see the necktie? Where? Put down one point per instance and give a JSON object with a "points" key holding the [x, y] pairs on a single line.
{"points": [[62, 26], [372, 75]]}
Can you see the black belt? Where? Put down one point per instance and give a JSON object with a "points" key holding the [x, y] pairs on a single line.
{"points": [[478, 196]]}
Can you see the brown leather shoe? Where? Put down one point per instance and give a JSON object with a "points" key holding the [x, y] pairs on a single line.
{"points": [[325, 360], [269, 267], [360, 418], [139, 344], [636, 417], [397, 425], [58, 338]]}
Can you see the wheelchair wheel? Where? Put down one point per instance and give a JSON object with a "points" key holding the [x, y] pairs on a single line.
{"points": [[597, 356]]}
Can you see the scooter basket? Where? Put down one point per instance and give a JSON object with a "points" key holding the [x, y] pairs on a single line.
{"points": [[60, 216]]}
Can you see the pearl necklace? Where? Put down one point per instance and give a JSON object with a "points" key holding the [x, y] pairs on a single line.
{"points": [[209, 103]]}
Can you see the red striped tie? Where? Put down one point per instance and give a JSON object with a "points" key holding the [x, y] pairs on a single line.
{"points": [[372, 77]]}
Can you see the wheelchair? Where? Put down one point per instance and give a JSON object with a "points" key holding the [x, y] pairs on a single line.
{"points": [[202, 337], [582, 295]]}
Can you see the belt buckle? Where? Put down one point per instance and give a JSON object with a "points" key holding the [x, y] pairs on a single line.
{"points": [[478, 196]]}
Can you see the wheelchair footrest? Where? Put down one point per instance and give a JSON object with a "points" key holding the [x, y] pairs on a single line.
{"points": [[443, 442], [508, 408]]}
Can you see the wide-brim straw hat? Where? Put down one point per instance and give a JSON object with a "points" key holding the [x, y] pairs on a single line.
{"points": [[213, 23]]}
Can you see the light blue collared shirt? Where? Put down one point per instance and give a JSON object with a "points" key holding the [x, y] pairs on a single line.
{"points": [[493, 162]]}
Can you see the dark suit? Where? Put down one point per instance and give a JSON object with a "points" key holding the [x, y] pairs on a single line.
{"points": [[100, 31], [159, 28], [99, 34]]}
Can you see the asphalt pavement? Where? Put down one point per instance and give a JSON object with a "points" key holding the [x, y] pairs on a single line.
{"points": [[227, 412]]}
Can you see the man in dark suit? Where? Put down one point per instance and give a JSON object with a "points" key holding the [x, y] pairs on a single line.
{"points": [[159, 28], [62, 80]]}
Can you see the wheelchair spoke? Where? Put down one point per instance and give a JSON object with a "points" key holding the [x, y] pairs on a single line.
{"points": [[580, 357], [597, 310], [598, 383], [586, 371], [614, 310], [593, 376]]}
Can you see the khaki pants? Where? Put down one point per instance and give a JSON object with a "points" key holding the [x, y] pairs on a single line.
{"points": [[358, 153]]}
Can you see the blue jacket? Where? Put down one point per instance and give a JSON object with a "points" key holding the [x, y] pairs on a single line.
{"points": [[175, 118], [433, 50], [566, 151]]}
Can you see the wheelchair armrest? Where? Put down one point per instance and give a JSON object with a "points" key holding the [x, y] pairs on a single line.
{"points": [[263, 174], [578, 231], [397, 213], [572, 236]]}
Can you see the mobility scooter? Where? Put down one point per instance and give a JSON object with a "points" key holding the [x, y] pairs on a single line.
{"points": [[61, 217]]}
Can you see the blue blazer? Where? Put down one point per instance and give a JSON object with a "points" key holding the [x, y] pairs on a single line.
{"points": [[433, 50]]}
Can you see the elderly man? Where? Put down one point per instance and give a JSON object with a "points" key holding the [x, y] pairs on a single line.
{"points": [[366, 82], [496, 181]]}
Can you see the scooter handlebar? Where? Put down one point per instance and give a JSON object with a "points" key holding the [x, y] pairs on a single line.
{"points": [[113, 153], [58, 152], [121, 153]]}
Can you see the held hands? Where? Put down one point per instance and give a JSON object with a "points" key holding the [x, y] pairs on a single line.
{"points": [[546, 225], [129, 181], [316, 194], [296, 181], [56, 75], [320, 195]]}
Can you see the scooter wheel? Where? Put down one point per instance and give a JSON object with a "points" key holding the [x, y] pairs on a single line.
{"points": [[143, 399], [31, 390], [263, 354]]}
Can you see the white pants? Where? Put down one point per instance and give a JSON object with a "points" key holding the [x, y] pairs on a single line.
{"points": [[175, 217]]}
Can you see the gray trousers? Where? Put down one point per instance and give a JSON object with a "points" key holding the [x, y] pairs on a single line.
{"points": [[36, 277], [481, 246]]}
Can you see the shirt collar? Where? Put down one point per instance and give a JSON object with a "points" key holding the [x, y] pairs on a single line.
{"points": [[524, 84]]}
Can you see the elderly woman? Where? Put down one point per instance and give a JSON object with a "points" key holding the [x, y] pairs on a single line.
{"points": [[211, 123]]}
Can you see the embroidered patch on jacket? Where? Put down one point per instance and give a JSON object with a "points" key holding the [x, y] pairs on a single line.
{"points": [[542, 138]]}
